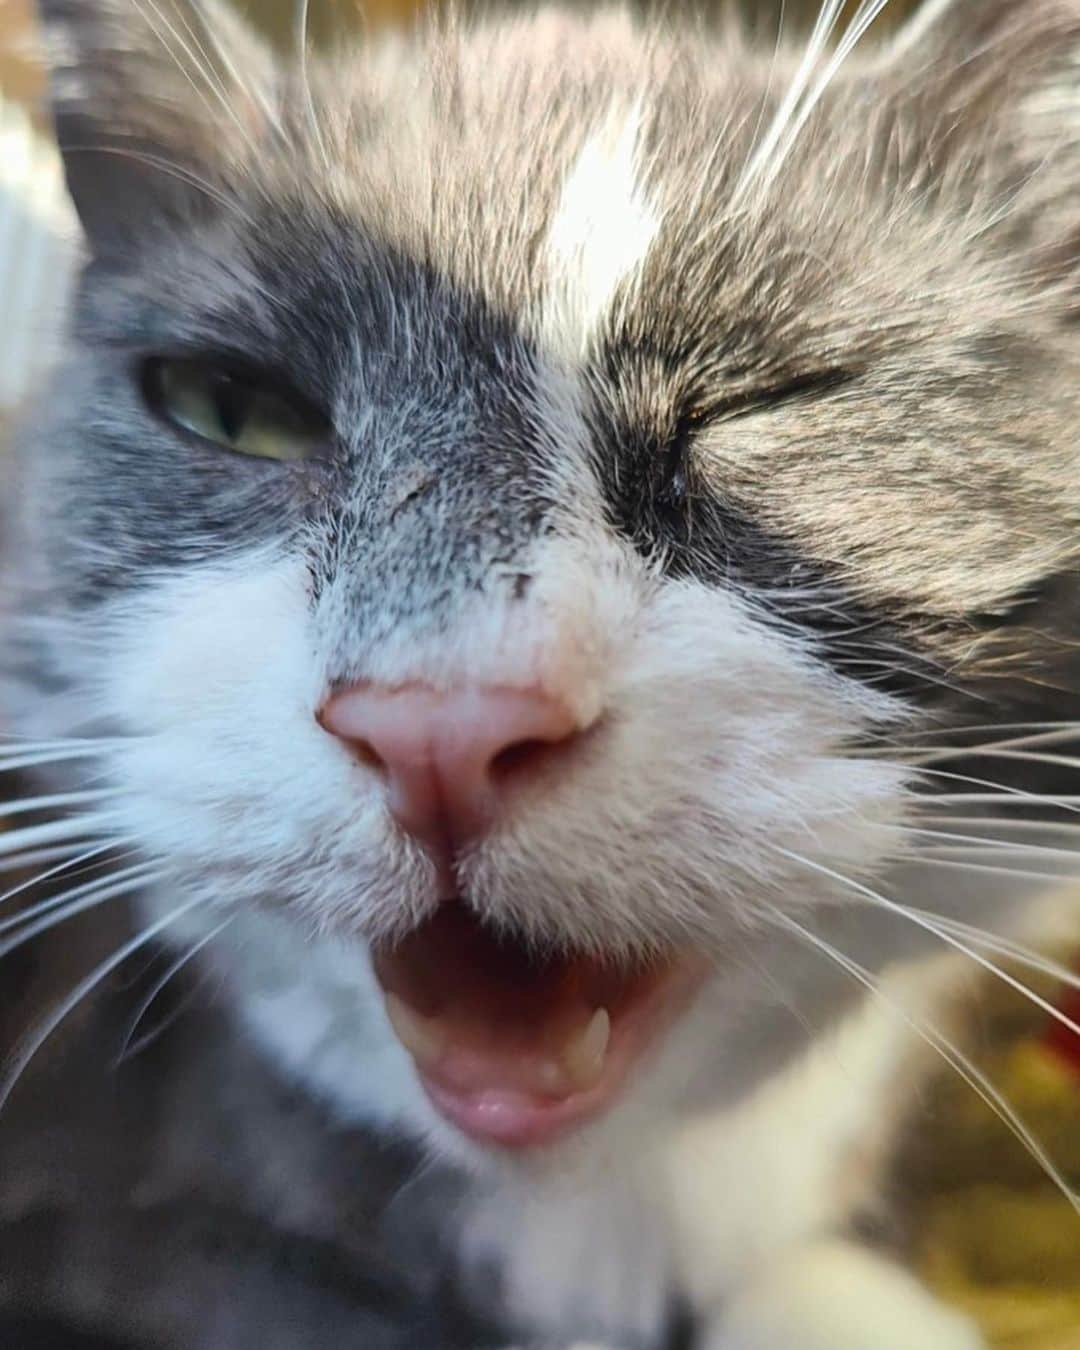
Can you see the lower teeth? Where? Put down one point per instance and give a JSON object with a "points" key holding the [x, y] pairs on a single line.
{"points": [[576, 1068]]}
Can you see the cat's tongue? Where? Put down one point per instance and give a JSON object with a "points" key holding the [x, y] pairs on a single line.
{"points": [[512, 1048]]}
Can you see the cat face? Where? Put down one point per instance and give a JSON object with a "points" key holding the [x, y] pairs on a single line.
{"points": [[504, 490]]}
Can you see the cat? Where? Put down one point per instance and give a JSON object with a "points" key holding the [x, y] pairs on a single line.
{"points": [[546, 552]]}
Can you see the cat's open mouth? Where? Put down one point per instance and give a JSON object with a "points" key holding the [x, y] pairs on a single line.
{"points": [[517, 1049]]}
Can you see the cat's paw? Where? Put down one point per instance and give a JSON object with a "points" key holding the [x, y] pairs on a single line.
{"points": [[837, 1296]]}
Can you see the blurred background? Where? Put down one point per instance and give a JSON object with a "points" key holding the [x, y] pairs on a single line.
{"points": [[990, 1232]]}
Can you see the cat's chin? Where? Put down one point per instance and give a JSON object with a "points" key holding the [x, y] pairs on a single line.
{"points": [[516, 1048]]}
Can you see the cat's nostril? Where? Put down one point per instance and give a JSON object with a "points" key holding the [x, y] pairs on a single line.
{"points": [[365, 753], [448, 757], [522, 756]]}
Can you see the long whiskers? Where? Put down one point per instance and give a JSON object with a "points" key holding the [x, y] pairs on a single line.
{"points": [[931, 926], [59, 909], [973, 843], [1040, 733], [56, 801], [251, 89], [45, 1028], [128, 1050], [71, 866], [802, 98], [19, 862], [815, 48], [302, 18], [76, 830], [228, 203], [1000, 793], [34, 754], [959, 1062], [1003, 946], [204, 68]]}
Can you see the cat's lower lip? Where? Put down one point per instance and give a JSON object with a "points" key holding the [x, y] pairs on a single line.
{"points": [[515, 1050], [510, 1120]]}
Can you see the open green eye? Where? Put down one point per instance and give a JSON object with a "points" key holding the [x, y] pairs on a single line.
{"points": [[233, 411]]}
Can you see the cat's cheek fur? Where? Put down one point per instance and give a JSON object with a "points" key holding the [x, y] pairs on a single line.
{"points": [[725, 747], [212, 673]]}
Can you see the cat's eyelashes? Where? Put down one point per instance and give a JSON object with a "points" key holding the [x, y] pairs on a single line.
{"points": [[767, 398], [673, 488], [237, 411]]}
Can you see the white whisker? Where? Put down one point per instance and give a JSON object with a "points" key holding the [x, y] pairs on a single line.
{"points": [[204, 71], [785, 130], [251, 89], [22, 806], [53, 902], [999, 800], [73, 828], [65, 908], [1064, 729], [41, 1033], [948, 752], [166, 166], [912, 916], [19, 861], [25, 746], [1001, 790], [302, 17], [34, 761], [1052, 735], [128, 1050], [959, 1062], [931, 860], [1006, 947], [815, 48], [978, 843], [61, 867]]}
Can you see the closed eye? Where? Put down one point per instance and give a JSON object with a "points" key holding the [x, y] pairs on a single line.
{"points": [[673, 466], [810, 385]]}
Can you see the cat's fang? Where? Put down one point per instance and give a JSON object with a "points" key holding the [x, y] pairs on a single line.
{"points": [[583, 1057], [422, 1037]]}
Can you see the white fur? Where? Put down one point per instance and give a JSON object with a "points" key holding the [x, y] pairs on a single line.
{"points": [[837, 1296], [720, 753], [773, 1172], [603, 228], [721, 742]]}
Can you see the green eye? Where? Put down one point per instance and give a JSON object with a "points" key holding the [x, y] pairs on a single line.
{"points": [[233, 411]]}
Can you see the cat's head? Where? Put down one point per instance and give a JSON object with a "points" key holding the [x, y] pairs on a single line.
{"points": [[508, 494]]}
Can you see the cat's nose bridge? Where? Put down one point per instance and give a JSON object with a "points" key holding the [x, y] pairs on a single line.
{"points": [[451, 758]]}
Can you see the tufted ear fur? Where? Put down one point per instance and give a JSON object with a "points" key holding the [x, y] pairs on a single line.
{"points": [[997, 59], [995, 87], [150, 97]]}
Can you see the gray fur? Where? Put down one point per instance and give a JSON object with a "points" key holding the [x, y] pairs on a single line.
{"points": [[839, 399]]}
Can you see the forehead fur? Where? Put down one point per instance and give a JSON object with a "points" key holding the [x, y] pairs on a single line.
{"points": [[574, 195]]}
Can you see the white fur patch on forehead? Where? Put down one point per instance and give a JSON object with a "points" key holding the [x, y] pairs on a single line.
{"points": [[601, 233]]}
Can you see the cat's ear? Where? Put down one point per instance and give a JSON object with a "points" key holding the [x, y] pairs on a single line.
{"points": [[980, 55], [995, 84], [155, 103]]}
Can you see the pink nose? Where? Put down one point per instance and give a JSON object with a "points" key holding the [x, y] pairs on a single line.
{"points": [[448, 756]]}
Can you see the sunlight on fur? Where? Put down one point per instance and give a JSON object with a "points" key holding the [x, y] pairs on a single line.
{"points": [[538, 677]]}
